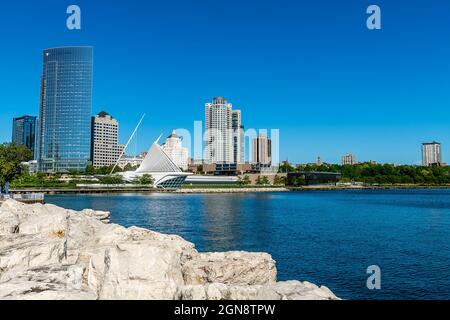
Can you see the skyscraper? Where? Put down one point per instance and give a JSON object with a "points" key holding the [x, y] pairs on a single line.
{"points": [[238, 137], [431, 154], [24, 132], [219, 132], [262, 150], [176, 152], [105, 148], [65, 109]]}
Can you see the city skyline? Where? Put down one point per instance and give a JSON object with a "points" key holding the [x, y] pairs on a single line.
{"points": [[369, 98]]}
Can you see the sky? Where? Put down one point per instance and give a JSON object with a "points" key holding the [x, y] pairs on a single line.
{"points": [[311, 69]]}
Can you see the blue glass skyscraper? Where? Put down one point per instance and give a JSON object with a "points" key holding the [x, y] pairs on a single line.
{"points": [[65, 110], [24, 132]]}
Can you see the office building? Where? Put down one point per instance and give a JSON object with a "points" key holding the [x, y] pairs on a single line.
{"points": [[105, 147], [176, 152], [24, 132], [219, 132], [65, 109], [349, 159], [262, 150], [431, 154]]}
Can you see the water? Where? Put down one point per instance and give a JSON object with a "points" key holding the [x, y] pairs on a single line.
{"points": [[325, 237]]}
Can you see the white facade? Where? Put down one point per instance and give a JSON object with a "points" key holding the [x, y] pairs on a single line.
{"points": [[175, 150], [262, 150], [219, 132], [349, 159], [163, 170], [105, 140], [132, 161], [431, 154]]}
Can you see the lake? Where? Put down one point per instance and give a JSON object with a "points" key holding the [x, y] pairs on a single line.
{"points": [[325, 237]]}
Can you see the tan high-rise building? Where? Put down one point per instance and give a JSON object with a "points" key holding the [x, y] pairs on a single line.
{"points": [[219, 132], [431, 154], [262, 150], [349, 159], [238, 137], [176, 152], [105, 140]]}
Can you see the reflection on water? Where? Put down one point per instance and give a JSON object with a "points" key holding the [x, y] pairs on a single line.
{"points": [[328, 238]]}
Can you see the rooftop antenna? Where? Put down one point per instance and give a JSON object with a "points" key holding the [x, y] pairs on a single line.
{"points": [[126, 146]]}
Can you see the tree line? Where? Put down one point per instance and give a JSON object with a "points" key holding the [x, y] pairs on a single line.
{"points": [[371, 173]]}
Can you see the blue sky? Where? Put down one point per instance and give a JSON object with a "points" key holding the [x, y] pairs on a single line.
{"points": [[310, 68]]}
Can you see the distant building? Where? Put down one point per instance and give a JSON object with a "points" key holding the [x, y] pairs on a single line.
{"points": [[24, 132], [238, 137], [105, 146], [262, 150], [65, 109], [31, 166], [349, 159], [431, 154], [319, 161], [176, 152], [219, 132], [131, 161]]}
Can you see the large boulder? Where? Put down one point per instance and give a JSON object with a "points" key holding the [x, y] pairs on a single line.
{"points": [[47, 252]]}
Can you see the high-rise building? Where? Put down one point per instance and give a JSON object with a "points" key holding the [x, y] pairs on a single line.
{"points": [[106, 149], [219, 132], [349, 159], [431, 154], [176, 152], [262, 150], [24, 132], [65, 109], [238, 136]]}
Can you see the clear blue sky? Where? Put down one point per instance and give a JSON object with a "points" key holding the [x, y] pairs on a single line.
{"points": [[310, 68]]}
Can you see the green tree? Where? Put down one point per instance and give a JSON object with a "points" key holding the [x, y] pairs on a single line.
{"points": [[90, 170], [286, 167], [112, 180], [244, 181], [279, 181], [11, 157], [146, 179], [262, 181]]}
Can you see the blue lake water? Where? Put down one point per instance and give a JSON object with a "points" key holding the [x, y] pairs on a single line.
{"points": [[325, 237]]}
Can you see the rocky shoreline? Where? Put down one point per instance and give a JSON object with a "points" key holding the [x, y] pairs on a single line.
{"points": [[51, 253]]}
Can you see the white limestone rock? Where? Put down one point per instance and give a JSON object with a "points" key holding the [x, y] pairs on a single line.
{"points": [[231, 268], [50, 283], [294, 290]]}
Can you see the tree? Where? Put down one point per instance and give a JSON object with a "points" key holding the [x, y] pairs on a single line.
{"points": [[262, 181], [279, 181], [146, 179], [112, 180], [286, 167], [129, 167], [90, 170], [11, 157], [244, 181]]}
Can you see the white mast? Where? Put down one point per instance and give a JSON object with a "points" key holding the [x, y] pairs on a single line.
{"points": [[129, 141]]}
